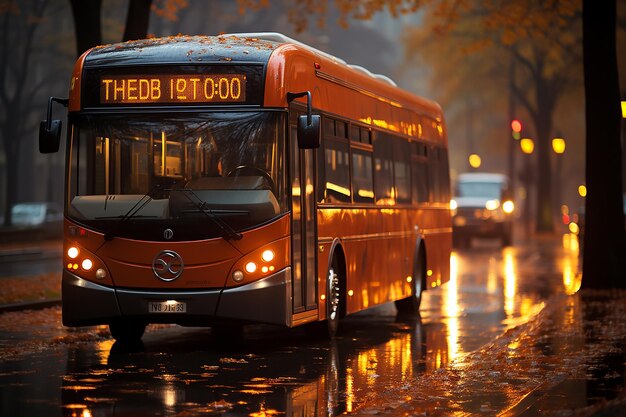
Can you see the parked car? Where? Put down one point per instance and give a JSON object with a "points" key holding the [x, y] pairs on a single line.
{"points": [[482, 207], [44, 217]]}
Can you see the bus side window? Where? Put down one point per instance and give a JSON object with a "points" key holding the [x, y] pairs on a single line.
{"points": [[433, 174], [401, 170], [419, 172], [362, 176], [445, 176], [337, 171], [383, 169]]}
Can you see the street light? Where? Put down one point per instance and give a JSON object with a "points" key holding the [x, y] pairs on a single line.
{"points": [[475, 161], [558, 145], [527, 145]]}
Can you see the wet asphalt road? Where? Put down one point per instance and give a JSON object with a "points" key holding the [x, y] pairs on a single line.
{"points": [[48, 370]]}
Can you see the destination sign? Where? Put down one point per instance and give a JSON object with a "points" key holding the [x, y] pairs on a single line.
{"points": [[173, 88]]}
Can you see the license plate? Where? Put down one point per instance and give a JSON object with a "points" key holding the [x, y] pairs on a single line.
{"points": [[169, 306]]}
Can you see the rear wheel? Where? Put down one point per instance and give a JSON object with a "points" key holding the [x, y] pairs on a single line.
{"points": [[127, 331], [333, 298], [411, 305]]}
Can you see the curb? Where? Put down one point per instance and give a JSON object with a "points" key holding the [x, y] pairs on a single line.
{"points": [[30, 305]]}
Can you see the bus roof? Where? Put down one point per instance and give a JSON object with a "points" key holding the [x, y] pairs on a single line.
{"points": [[276, 53], [182, 49]]}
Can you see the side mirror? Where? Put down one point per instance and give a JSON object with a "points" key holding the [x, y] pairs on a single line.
{"points": [[50, 130], [309, 132], [49, 136]]}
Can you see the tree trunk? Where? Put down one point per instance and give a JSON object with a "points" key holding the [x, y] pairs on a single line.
{"points": [[604, 261], [543, 124], [137, 20], [86, 24]]}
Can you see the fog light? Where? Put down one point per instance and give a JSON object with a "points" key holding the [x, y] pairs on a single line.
{"points": [[237, 276], [265, 269], [87, 264], [101, 273], [250, 267], [72, 252], [267, 255]]}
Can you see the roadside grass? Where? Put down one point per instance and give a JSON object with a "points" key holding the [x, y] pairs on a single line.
{"points": [[14, 290]]}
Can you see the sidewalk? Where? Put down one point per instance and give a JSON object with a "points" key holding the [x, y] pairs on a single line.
{"points": [[35, 291], [570, 360]]}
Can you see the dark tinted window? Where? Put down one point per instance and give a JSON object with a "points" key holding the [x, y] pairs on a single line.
{"points": [[337, 171], [362, 176], [419, 172], [383, 169], [402, 171]]}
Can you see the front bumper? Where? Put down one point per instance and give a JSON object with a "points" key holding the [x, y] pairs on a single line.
{"points": [[265, 301]]}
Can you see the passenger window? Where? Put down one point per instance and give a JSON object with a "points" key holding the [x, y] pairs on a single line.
{"points": [[340, 129], [337, 171], [362, 176], [354, 134], [383, 170], [329, 127], [366, 136], [401, 172], [419, 173]]}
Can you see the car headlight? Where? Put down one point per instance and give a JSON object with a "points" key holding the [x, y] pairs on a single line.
{"points": [[508, 207]]}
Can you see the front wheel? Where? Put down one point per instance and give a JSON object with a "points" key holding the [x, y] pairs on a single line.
{"points": [[411, 305], [127, 332]]}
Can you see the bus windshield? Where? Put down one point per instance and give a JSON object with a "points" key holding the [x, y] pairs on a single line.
{"points": [[200, 175]]}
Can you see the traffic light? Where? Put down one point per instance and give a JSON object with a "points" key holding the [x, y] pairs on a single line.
{"points": [[516, 128]]}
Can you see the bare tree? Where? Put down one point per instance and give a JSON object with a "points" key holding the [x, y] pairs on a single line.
{"points": [[20, 20]]}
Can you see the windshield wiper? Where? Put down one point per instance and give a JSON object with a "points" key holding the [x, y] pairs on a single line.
{"points": [[132, 212], [228, 231]]}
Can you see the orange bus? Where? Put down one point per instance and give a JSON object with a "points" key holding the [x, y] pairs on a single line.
{"points": [[218, 181]]}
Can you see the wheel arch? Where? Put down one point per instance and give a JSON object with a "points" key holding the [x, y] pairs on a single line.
{"points": [[420, 249], [336, 249]]}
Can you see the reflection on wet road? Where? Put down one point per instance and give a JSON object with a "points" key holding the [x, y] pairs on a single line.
{"points": [[272, 371]]}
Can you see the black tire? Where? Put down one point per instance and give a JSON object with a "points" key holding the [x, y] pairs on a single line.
{"points": [[333, 298], [127, 331], [411, 305]]}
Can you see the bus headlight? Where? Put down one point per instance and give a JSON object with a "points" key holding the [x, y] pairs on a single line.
{"points": [[85, 264], [250, 267], [73, 252], [508, 207], [261, 262], [267, 255]]}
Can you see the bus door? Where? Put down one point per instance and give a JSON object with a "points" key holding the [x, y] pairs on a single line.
{"points": [[304, 244]]}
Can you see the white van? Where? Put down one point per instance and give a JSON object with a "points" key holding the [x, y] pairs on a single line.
{"points": [[482, 207]]}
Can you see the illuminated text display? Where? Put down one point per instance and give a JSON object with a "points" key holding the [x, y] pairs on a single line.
{"points": [[139, 89]]}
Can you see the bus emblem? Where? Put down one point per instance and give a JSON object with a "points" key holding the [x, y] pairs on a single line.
{"points": [[167, 265], [168, 234]]}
